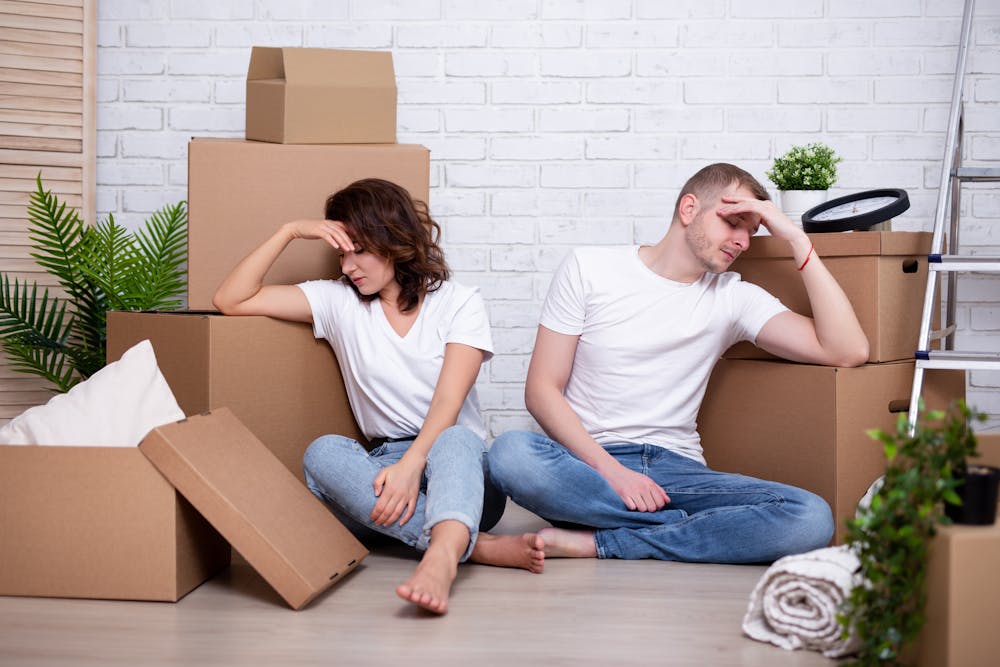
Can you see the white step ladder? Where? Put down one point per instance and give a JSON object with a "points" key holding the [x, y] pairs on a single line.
{"points": [[953, 175]]}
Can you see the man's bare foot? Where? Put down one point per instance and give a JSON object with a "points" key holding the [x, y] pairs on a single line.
{"points": [[562, 543], [525, 551], [429, 585]]}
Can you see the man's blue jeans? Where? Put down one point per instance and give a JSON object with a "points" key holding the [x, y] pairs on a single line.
{"points": [[454, 485], [712, 517]]}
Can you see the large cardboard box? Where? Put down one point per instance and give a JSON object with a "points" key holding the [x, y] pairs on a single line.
{"points": [[282, 530], [280, 381], [240, 192], [884, 274], [106, 522], [963, 599], [807, 425], [99, 522], [320, 96]]}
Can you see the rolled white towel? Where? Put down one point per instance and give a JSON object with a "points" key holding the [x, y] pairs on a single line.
{"points": [[796, 601]]}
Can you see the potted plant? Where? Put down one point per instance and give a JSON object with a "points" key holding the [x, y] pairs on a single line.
{"points": [[803, 177], [891, 535], [100, 268]]}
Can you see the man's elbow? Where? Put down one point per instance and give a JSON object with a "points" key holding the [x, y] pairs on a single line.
{"points": [[857, 355], [222, 305]]}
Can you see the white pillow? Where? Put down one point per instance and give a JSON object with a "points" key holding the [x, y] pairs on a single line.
{"points": [[116, 406]]}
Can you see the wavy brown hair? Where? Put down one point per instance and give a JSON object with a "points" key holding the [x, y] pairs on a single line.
{"points": [[709, 180], [384, 219]]}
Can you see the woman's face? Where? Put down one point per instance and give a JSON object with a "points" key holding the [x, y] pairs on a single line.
{"points": [[370, 273]]}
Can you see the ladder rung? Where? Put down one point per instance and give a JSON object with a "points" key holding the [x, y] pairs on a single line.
{"points": [[978, 174], [980, 263], [958, 360]]}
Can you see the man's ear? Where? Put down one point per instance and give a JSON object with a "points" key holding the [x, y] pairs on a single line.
{"points": [[688, 208]]}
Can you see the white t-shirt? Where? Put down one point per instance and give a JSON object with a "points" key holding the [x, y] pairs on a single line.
{"points": [[647, 344], [390, 380]]}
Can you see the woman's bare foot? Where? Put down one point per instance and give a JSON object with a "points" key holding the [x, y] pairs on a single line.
{"points": [[525, 551], [429, 585], [562, 543]]}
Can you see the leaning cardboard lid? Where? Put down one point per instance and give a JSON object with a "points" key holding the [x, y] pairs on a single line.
{"points": [[245, 492]]}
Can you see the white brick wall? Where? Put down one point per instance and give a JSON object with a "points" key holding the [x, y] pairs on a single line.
{"points": [[554, 123]]}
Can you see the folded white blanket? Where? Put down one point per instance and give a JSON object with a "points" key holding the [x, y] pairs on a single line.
{"points": [[796, 601]]}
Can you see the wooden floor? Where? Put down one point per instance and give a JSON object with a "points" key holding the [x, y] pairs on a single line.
{"points": [[580, 612]]}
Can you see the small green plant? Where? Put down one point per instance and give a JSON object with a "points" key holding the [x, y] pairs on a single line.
{"points": [[809, 167], [100, 268], [891, 536]]}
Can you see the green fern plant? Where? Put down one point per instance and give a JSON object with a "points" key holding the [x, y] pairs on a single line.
{"points": [[100, 268]]}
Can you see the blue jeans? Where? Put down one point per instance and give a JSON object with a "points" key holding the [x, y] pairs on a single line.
{"points": [[712, 517], [454, 485]]}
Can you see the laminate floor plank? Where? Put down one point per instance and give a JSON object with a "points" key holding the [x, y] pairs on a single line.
{"points": [[580, 612]]}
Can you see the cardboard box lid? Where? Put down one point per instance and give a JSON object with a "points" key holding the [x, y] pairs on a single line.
{"points": [[231, 478], [326, 67], [844, 244]]}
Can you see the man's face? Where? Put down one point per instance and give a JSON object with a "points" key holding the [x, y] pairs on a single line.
{"points": [[716, 241]]}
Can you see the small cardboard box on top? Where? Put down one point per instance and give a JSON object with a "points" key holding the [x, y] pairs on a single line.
{"points": [[807, 425], [883, 274], [107, 522], [279, 380], [240, 192], [320, 96]]}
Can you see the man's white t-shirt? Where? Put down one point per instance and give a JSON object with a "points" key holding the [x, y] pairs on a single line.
{"points": [[390, 380], [647, 344]]}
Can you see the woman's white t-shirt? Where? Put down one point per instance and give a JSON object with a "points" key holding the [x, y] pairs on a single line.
{"points": [[390, 379], [647, 344]]}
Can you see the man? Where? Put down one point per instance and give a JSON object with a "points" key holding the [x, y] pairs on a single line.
{"points": [[627, 340]]}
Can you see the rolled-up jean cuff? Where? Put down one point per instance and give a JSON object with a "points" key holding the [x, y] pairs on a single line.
{"points": [[599, 543], [463, 519]]}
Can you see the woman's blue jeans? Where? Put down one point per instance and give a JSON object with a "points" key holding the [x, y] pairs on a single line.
{"points": [[712, 517], [455, 484]]}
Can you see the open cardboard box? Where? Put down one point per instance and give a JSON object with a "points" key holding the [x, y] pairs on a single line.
{"points": [[275, 376], [884, 274], [106, 522], [807, 425], [320, 96], [241, 192]]}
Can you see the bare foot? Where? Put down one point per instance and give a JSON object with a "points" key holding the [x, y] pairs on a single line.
{"points": [[525, 551], [562, 543], [429, 585]]}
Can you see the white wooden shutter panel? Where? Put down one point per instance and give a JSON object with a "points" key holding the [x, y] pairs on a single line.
{"points": [[47, 125]]}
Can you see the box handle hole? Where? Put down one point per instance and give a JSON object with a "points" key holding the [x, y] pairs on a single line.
{"points": [[899, 405], [911, 265]]}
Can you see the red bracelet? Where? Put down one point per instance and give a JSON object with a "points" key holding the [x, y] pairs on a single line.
{"points": [[808, 255]]}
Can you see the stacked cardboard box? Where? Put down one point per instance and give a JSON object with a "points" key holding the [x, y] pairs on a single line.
{"points": [[806, 425], [153, 523]]}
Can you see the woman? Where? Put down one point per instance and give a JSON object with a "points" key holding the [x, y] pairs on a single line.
{"points": [[410, 344]]}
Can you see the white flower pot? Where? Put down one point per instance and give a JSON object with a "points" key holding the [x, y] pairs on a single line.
{"points": [[796, 202]]}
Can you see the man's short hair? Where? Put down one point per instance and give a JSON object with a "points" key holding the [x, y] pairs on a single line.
{"points": [[719, 176]]}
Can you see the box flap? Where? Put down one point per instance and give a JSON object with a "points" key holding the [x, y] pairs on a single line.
{"points": [[231, 478], [339, 68], [266, 62], [846, 244]]}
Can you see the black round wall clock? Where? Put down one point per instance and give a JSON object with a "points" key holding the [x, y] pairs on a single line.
{"points": [[858, 211]]}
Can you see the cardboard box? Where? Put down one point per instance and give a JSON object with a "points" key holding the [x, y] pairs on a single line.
{"points": [[320, 96], [99, 522], [806, 425], [280, 381], [282, 530], [963, 599], [105, 522], [240, 192], [884, 274]]}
